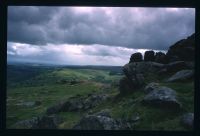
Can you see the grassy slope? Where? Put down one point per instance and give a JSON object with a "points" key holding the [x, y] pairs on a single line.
{"points": [[43, 87], [122, 107]]}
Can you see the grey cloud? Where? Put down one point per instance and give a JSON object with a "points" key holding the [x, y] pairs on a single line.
{"points": [[30, 14], [23, 33], [148, 28]]}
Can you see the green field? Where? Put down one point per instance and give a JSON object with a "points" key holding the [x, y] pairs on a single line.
{"points": [[46, 86]]}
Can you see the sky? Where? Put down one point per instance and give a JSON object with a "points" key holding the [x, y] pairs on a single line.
{"points": [[93, 35]]}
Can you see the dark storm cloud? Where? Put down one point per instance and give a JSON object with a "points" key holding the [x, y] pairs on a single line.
{"points": [[30, 14], [147, 28]]}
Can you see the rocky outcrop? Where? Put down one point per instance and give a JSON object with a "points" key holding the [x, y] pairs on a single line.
{"points": [[136, 57], [141, 68], [176, 66], [187, 120], [182, 50], [162, 97], [161, 57], [181, 76], [149, 56], [78, 104], [41, 122], [134, 75], [127, 85]]}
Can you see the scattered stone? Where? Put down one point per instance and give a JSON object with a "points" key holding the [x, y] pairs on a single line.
{"points": [[150, 87], [135, 118], [149, 56], [78, 104], [163, 97], [181, 75], [162, 71], [187, 120], [42, 122], [102, 121], [29, 104], [67, 81], [136, 57], [105, 112], [99, 121]]}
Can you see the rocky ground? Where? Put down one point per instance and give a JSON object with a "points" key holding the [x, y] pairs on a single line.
{"points": [[150, 91]]}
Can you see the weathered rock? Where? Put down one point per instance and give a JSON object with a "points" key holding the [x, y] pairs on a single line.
{"points": [[128, 85], [181, 75], [141, 68], [103, 121], [190, 64], [135, 118], [125, 85], [183, 50], [160, 57], [138, 80], [149, 56], [176, 66], [78, 103], [163, 97], [124, 124], [136, 57], [134, 73], [100, 121], [42, 122], [150, 87], [187, 120], [105, 112], [162, 71]]}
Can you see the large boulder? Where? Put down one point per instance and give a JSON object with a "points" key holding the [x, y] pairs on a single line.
{"points": [[183, 50], [41, 122], [181, 76], [136, 57], [149, 56], [160, 57], [187, 120], [163, 97]]}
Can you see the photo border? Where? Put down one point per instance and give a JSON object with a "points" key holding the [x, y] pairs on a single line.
{"points": [[99, 3]]}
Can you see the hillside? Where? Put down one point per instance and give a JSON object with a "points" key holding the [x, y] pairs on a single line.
{"points": [[156, 93]]}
